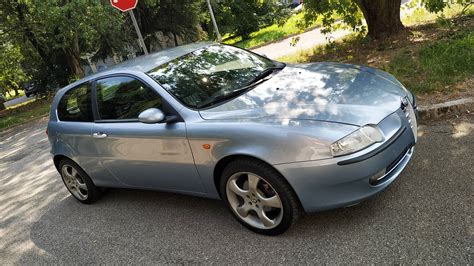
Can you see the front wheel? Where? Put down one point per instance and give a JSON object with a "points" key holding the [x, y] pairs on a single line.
{"points": [[259, 197]]}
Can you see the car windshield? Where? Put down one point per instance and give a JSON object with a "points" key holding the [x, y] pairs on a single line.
{"points": [[212, 74]]}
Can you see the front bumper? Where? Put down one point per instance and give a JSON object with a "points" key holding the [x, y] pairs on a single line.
{"points": [[345, 180]]}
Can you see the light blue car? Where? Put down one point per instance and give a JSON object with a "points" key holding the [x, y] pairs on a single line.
{"points": [[272, 140]]}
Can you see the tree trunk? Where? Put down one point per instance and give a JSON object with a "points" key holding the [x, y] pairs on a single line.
{"points": [[382, 17], [74, 59]]}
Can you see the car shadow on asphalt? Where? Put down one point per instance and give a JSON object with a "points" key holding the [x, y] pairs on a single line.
{"points": [[155, 226]]}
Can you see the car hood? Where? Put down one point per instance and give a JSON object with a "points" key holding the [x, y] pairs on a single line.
{"points": [[331, 92]]}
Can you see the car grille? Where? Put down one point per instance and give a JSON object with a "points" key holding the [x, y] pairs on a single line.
{"points": [[410, 115]]}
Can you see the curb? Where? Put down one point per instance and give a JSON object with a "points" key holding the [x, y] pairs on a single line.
{"points": [[450, 108]]}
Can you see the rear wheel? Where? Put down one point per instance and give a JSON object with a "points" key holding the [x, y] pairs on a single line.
{"points": [[259, 197], [78, 182]]}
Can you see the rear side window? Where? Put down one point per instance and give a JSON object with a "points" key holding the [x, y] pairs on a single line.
{"points": [[75, 105], [124, 98]]}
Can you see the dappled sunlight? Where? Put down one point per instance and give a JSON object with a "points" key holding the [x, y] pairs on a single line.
{"points": [[325, 91], [29, 184], [462, 129]]}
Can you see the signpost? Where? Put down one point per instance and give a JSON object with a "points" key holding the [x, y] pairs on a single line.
{"points": [[129, 5], [219, 38]]}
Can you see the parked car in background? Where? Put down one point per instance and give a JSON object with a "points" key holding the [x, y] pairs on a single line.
{"points": [[272, 140], [30, 89]]}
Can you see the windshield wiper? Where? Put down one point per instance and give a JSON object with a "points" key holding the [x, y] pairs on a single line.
{"points": [[260, 77], [224, 97], [265, 73]]}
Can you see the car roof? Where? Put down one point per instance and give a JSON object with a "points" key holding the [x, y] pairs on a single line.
{"points": [[146, 63]]}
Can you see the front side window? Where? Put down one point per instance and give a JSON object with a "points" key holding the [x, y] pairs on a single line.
{"points": [[75, 105], [124, 98], [209, 73]]}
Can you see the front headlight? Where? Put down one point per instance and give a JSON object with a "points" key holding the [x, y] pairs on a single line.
{"points": [[357, 140]]}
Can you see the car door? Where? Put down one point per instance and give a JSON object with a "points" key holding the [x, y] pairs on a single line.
{"points": [[155, 156], [73, 129]]}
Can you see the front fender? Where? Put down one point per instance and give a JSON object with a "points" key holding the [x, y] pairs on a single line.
{"points": [[271, 141]]}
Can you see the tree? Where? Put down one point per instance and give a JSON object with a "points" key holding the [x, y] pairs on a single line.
{"points": [[242, 17], [176, 17], [56, 34], [382, 17], [76, 27], [11, 73]]}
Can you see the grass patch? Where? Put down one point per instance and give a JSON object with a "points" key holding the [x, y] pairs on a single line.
{"points": [[437, 65], [427, 58], [22, 113], [272, 33], [12, 93], [421, 16]]}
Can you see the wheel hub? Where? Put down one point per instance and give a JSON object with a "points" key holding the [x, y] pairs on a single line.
{"points": [[253, 202]]}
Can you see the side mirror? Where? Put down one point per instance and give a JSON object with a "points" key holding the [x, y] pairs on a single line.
{"points": [[151, 116]]}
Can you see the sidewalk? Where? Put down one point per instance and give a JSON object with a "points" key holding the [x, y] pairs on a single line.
{"points": [[307, 40]]}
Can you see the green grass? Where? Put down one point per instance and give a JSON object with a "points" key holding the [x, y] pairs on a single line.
{"points": [[272, 33], [422, 16], [22, 113], [436, 65], [12, 93]]}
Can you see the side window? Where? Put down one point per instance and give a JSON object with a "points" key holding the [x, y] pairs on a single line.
{"points": [[124, 98], [75, 105]]}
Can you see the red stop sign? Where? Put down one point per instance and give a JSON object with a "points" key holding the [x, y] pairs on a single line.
{"points": [[124, 5]]}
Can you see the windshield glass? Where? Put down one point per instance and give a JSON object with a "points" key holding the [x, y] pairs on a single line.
{"points": [[209, 73]]}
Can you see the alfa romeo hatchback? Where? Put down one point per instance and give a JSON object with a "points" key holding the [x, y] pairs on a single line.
{"points": [[272, 140]]}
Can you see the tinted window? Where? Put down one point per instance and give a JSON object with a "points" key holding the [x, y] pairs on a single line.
{"points": [[75, 105], [124, 98], [210, 72]]}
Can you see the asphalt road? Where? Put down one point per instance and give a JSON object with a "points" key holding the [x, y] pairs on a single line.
{"points": [[424, 217]]}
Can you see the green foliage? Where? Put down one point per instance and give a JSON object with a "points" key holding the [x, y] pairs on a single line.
{"points": [[329, 11], [242, 17], [56, 36], [178, 17], [439, 5], [11, 73]]}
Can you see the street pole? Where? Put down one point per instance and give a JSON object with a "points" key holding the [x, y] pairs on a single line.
{"points": [[140, 38], [219, 38]]}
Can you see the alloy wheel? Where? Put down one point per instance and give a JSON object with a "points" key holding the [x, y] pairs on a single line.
{"points": [[74, 182], [254, 200]]}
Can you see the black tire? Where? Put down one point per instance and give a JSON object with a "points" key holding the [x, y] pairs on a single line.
{"points": [[93, 192], [291, 206]]}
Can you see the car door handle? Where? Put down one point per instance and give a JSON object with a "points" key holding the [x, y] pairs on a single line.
{"points": [[99, 135]]}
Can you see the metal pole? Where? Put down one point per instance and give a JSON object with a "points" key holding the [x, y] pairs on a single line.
{"points": [[140, 38], [219, 38]]}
